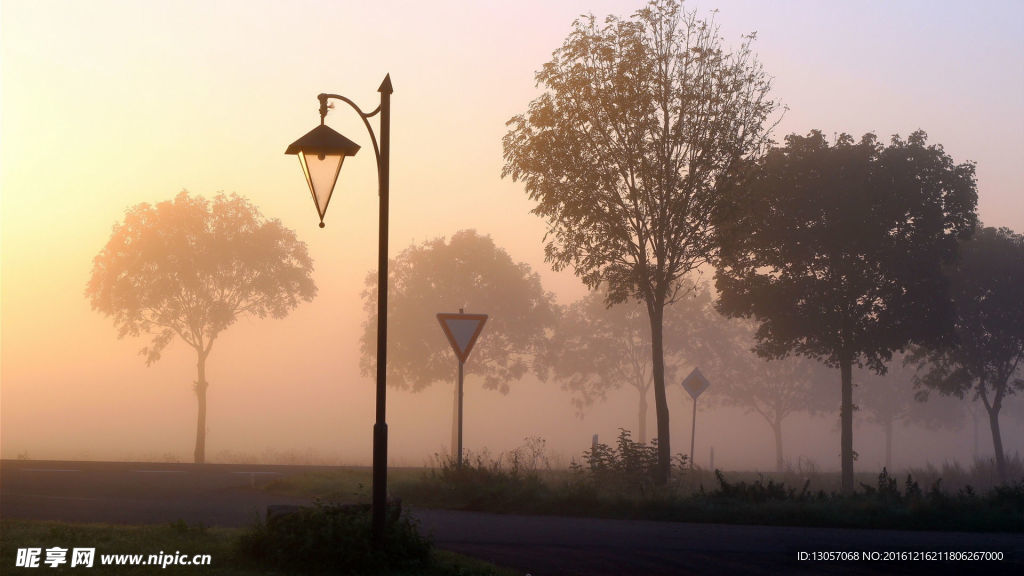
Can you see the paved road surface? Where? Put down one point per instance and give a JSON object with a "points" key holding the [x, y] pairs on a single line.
{"points": [[230, 495]]}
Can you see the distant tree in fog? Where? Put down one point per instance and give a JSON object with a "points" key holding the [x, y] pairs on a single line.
{"points": [[468, 271], [838, 251], [982, 354], [596, 348], [772, 389], [889, 399], [189, 268], [641, 121]]}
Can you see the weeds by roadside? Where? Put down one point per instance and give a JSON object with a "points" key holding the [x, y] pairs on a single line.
{"points": [[618, 481]]}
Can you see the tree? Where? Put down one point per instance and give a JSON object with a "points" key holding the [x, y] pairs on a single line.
{"points": [[838, 251], [984, 349], [773, 389], [641, 122], [468, 271], [190, 268], [890, 398], [595, 348]]}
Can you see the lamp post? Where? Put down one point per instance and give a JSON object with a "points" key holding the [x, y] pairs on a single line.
{"points": [[321, 153]]}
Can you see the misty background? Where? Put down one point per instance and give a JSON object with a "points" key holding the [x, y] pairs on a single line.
{"points": [[149, 99]]}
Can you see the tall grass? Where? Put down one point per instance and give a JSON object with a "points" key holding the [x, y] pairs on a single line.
{"points": [[618, 481]]}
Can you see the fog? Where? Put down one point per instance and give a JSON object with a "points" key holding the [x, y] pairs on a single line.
{"points": [[289, 391], [219, 101]]}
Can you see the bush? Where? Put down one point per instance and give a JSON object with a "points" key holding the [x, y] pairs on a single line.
{"points": [[337, 539], [483, 483], [758, 491], [629, 467]]}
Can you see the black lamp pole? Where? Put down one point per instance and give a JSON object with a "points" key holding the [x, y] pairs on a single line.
{"points": [[321, 143], [380, 425]]}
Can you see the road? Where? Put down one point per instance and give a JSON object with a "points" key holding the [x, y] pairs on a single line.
{"points": [[230, 495]]}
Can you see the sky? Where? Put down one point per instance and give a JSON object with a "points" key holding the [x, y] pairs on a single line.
{"points": [[107, 104]]}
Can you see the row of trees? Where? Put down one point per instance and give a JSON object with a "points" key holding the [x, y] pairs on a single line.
{"points": [[189, 268], [590, 349], [646, 157]]}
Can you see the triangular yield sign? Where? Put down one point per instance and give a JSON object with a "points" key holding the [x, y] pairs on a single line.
{"points": [[462, 331]]}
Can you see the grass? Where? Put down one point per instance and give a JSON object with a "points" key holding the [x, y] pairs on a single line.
{"points": [[349, 485], [119, 540], [616, 482], [221, 544]]}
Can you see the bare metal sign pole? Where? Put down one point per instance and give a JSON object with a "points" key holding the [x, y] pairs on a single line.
{"points": [[694, 384], [459, 452], [462, 331]]}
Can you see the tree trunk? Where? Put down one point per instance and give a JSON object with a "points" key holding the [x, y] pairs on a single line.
{"points": [[974, 421], [997, 442], [888, 444], [200, 387], [656, 312], [780, 465], [642, 421], [993, 421], [846, 423]]}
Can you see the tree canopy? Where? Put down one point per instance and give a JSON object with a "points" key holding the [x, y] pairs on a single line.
{"points": [[190, 268], [467, 271], [983, 352], [641, 121], [838, 251]]}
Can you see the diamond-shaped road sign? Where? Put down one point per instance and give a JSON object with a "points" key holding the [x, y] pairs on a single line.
{"points": [[462, 331], [695, 383]]}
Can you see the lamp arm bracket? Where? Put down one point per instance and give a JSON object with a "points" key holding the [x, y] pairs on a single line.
{"points": [[364, 115]]}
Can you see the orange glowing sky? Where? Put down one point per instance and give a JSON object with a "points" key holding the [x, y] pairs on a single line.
{"points": [[106, 104]]}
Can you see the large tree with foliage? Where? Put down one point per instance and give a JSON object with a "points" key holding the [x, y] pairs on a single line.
{"points": [[467, 271], [983, 354], [190, 268], [838, 251], [641, 121]]}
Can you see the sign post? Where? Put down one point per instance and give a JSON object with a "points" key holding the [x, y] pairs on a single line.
{"points": [[695, 384], [462, 331]]}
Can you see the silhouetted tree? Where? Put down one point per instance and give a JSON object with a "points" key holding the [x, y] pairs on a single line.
{"points": [[640, 123], [984, 349], [189, 268], [471, 272], [890, 398], [838, 251], [595, 348], [773, 389]]}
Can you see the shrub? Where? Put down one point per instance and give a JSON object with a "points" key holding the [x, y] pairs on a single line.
{"points": [[758, 491], [629, 467], [337, 539]]}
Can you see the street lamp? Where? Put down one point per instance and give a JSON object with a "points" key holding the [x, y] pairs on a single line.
{"points": [[321, 153]]}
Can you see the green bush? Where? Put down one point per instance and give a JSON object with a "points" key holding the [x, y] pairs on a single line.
{"points": [[758, 491], [628, 468], [619, 481], [337, 539]]}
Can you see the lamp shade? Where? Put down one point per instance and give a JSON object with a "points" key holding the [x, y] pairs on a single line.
{"points": [[321, 152]]}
